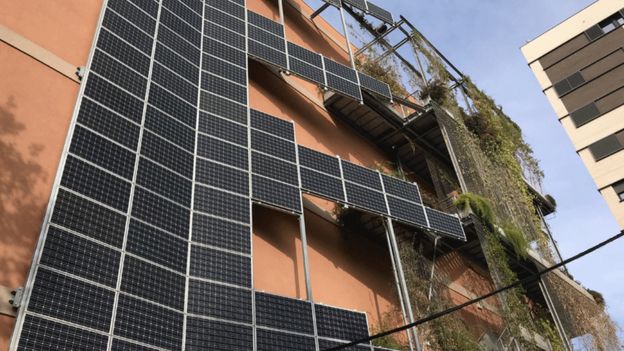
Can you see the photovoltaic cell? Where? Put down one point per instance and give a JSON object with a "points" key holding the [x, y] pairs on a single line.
{"points": [[407, 211], [220, 266], [222, 151], [118, 73], [224, 35], [123, 51], [224, 88], [225, 52], [221, 233], [205, 334], [153, 283], [321, 184], [380, 13], [401, 189], [223, 68], [71, 300], [160, 212], [360, 4], [265, 23], [344, 86], [365, 198], [376, 86], [319, 161], [189, 16], [172, 105], [132, 13], [340, 70], [164, 182], [151, 7], [127, 31], [157, 246], [96, 184], [273, 146], [81, 257], [176, 63], [170, 129], [275, 169], [114, 98], [267, 53], [224, 20], [445, 223], [272, 125], [307, 71], [222, 177], [167, 154], [284, 313], [122, 345], [326, 344], [221, 204], [88, 218], [305, 55], [174, 42], [277, 194], [174, 83], [148, 323], [43, 334], [340, 324], [270, 340], [222, 107], [102, 152], [108, 123], [228, 7], [361, 175], [181, 27], [262, 36], [219, 301], [223, 129]]}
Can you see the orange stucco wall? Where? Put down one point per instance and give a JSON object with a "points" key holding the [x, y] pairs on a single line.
{"points": [[36, 105]]}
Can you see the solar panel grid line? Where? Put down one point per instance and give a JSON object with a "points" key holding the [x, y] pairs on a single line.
{"points": [[160, 123], [175, 62], [306, 71], [177, 24], [224, 35], [113, 96], [229, 7], [218, 248], [272, 125], [265, 23], [308, 56], [343, 86], [183, 12], [267, 38], [46, 332], [108, 123], [122, 49], [133, 13], [360, 4], [273, 192], [179, 45], [224, 19], [267, 53], [380, 13], [125, 344], [216, 65], [130, 21]]}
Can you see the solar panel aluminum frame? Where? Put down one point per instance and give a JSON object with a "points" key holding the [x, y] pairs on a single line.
{"points": [[22, 311]]}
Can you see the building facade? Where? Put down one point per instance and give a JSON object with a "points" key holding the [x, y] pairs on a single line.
{"points": [[186, 174], [579, 65]]}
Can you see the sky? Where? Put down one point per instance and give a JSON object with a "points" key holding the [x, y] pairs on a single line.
{"points": [[483, 39]]}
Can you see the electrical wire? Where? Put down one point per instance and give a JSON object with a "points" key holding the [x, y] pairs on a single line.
{"points": [[528, 279]]}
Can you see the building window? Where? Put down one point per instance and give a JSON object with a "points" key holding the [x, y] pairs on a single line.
{"points": [[585, 114], [607, 146], [619, 189], [572, 82], [614, 21]]}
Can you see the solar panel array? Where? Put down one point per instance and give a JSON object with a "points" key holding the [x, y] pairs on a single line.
{"points": [[366, 6], [148, 243]]}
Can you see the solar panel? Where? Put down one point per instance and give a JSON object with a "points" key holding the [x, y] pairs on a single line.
{"points": [[401, 189], [220, 266], [223, 68], [307, 71], [365, 198], [108, 123], [183, 48], [361, 175], [221, 18], [223, 204], [221, 233], [170, 128], [340, 70], [175, 83], [178, 25], [284, 313], [223, 177], [43, 334], [160, 212], [271, 340], [164, 182], [262, 36], [274, 168], [228, 7], [123, 345], [340, 324], [224, 88], [219, 301], [374, 85], [360, 4], [205, 334], [333, 2], [221, 151], [272, 125], [265, 23], [380, 13], [445, 223], [266, 53], [224, 35], [185, 13], [321, 184], [273, 146], [157, 246], [407, 211], [222, 107], [153, 283], [344, 86], [305, 55], [319, 161], [325, 344], [277, 194], [225, 52]]}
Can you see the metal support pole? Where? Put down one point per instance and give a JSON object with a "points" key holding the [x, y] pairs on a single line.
{"points": [[410, 335], [552, 239], [320, 9], [395, 250], [346, 34], [554, 314], [306, 272], [392, 50]]}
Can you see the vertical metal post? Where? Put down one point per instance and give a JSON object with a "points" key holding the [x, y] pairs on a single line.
{"points": [[435, 247], [554, 314], [346, 34], [395, 250], [400, 292], [306, 273], [280, 4], [552, 239]]}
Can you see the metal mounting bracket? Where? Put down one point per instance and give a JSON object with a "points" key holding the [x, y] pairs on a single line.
{"points": [[80, 72]]}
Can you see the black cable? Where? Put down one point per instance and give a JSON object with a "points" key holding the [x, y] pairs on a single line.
{"points": [[480, 298]]}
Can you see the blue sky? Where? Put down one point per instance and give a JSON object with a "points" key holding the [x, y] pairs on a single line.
{"points": [[483, 38]]}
